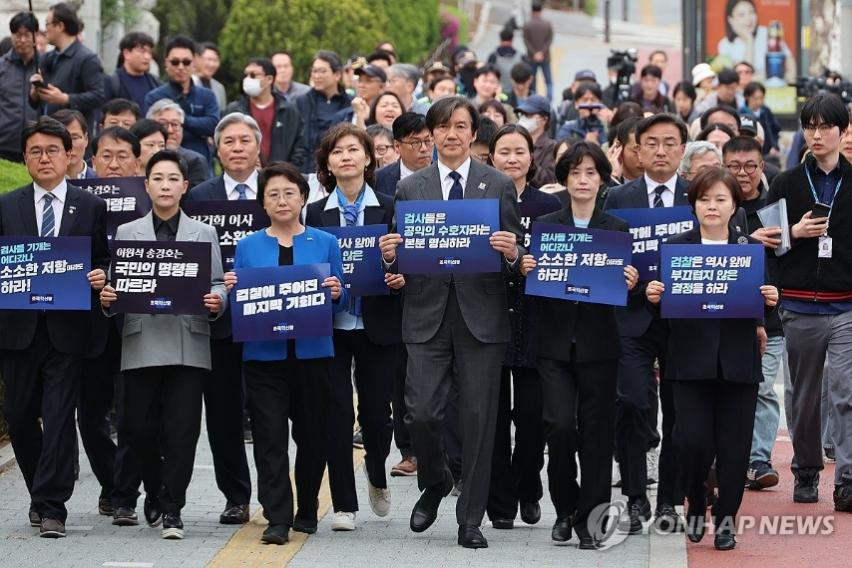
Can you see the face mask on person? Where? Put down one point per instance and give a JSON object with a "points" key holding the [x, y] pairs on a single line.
{"points": [[251, 86], [531, 123]]}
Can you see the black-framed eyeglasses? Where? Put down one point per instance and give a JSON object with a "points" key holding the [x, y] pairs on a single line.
{"points": [[748, 167], [417, 143]]}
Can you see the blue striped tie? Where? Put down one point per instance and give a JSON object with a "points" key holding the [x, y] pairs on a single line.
{"points": [[48, 220], [241, 191]]}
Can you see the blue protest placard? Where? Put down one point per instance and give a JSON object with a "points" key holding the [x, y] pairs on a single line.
{"points": [[281, 302], [232, 219], [447, 236], [650, 228], [586, 265], [125, 197], [530, 211], [712, 281], [45, 273], [160, 277], [363, 273]]}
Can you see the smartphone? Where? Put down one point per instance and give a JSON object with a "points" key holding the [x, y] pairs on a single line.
{"points": [[820, 210], [39, 84]]}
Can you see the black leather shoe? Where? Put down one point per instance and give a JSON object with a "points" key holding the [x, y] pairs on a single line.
{"points": [[561, 532], [807, 487], [530, 512], [153, 515], [667, 520], [587, 541], [303, 525], [234, 514], [35, 518], [275, 534], [695, 523], [125, 517], [503, 524], [105, 506], [638, 510], [426, 509], [843, 497], [724, 540], [172, 526], [471, 537]]}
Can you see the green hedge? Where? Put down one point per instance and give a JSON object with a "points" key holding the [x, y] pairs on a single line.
{"points": [[12, 176]]}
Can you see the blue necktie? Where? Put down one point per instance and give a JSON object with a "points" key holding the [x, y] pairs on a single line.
{"points": [[456, 192], [48, 220], [242, 189], [658, 198]]}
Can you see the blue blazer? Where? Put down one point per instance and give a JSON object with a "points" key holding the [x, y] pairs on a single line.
{"points": [[313, 246], [387, 178], [212, 189]]}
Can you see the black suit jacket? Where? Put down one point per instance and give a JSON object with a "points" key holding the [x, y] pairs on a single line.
{"points": [[197, 165], [71, 332], [707, 348], [592, 327], [387, 178], [211, 190], [382, 314], [287, 139]]}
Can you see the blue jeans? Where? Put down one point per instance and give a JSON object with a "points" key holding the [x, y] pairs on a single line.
{"points": [[768, 411], [548, 78]]}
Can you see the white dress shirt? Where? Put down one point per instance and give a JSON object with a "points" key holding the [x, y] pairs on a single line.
{"points": [[447, 181], [231, 186], [403, 171], [668, 195], [58, 204]]}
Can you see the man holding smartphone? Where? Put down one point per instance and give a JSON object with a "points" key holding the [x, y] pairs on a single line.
{"points": [[815, 278]]}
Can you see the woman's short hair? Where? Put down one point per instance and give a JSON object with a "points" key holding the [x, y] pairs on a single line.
{"points": [[702, 183], [494, 104], [505, 130], [575, 154], [371, 119], [167, 155], [330, 139], [285, 170]]}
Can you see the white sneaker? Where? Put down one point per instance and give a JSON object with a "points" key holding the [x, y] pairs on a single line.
{"points": [[380, 499], [343, 521], [652, 459]]}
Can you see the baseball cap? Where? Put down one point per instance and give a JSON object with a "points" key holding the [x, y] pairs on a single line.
{"points": [[372, 71], [585, 75], [534, 104]]}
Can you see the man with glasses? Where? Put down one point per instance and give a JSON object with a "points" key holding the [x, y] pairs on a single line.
{"points": [[201, 111], [16, 67], [43, 350], [75, 123], [116, 153], [171, 116], [132, 79], [644, 336]]}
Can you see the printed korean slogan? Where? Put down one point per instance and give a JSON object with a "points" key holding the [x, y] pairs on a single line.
{"points": [[233, 220], [363, 274], [530, 211], [650, 228], [126, 198]]}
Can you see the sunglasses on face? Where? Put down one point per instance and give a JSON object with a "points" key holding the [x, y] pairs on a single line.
{"points": [[179, 62]]}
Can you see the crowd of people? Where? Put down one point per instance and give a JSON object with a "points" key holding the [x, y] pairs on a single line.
{"points": [[445, 364]]}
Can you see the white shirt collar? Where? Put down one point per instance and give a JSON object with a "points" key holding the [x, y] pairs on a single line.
{"points": [[403, 171], [231, 184], [670, 184], [370, 199], [463, 169], [59, 192]]}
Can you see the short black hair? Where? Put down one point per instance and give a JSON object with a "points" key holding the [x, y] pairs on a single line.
{"points": [[625, 128], [205, 45], [505, 130], [686, 88], [167, 155], [442, 111], [507, 34], [329, 57], [588, 87], [752, 88], [487, 129], [67, 16], [47, 126], [23, 20], [746, 63], [265, 64], [575, 154], [702, 183], [68, 115], [135, 39], [661, 118], [742, 144], [434, 82], [485, 70], [179, 42], [827, 108], [705, 117], [146, 127], [281, 169], [727, 77], [408, 123], [651, 70], [380, 55], [705, 132], [520, 72], [655, 52], [119, 106], [118, 133], [496, 105]]}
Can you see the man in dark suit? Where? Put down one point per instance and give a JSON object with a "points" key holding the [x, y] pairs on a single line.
{"points": [[455, 328], [644, 336], [237, 138], [171, 116], [413, 142], [42, 351]]}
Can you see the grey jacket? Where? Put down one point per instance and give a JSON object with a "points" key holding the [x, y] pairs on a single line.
{"points": [[15, 109], [155, 340]]}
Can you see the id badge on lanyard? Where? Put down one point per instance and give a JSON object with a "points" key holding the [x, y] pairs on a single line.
{"points": [[824, 245]]}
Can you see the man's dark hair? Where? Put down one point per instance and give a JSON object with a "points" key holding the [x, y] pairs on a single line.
{"points": [[146, 127], [285, 170], [727, 77], [588, 87], [661, 118], [625, 128], [120, 134], [825, 108], [331, 58], [705, 117], [179, 42], [68, 115], [485, 70], [442, 111], [47, 126], [135, 39], [380, 55], [167, 155], [753, 88], [265, 64], [742, 144], [118, 106], [746, 63], [408, 124], [710, 128], [64, 14], [507, 34], [574, 155], [434, 82], [686, 88], [536, 6], [655, 52], [487, 129], [23, 20], [520, 72], [205, 45], [652, 70]]}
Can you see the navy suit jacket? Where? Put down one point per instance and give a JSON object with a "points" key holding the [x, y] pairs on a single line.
{"points": [[387, 178], [211, 190]]}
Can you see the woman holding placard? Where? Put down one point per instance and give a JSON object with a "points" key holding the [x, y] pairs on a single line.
{"points": [[368, 331], [578, 348], [715, 368], [288, 379]]}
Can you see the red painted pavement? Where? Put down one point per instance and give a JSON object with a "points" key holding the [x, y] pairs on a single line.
{"points": [[755, 550]]}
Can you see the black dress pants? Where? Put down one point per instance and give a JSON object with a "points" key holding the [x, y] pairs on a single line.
{"points": [[375, 366], [43, 383], [714, 420], [162, 413], [516, 475], [401, 436], [578, 411], [279, 391]]}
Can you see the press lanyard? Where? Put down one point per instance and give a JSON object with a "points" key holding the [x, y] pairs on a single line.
{"points": [[814, 193]]}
